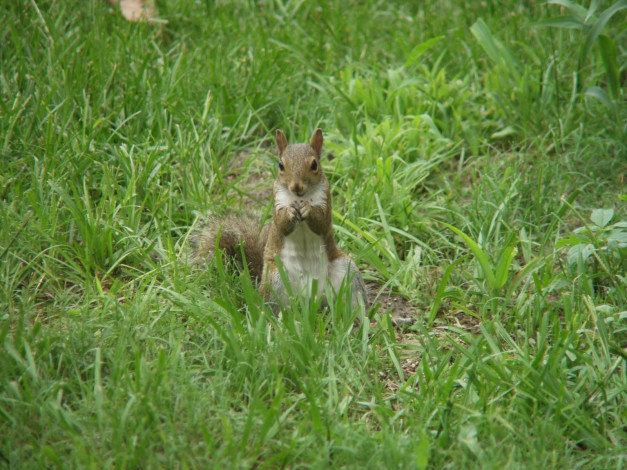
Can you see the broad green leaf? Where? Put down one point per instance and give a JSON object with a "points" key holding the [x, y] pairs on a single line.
{"points": [[575, 9], [602, 217], [496, 51], [599, 94], [502, 268], [598, 27], [619, 237], [577, 252], [422, 451], [570, 22], [571, 240], [485, 39]]}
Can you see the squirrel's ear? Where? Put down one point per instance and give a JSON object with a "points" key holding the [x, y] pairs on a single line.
{"points": [[281, 141], [316, 141]]}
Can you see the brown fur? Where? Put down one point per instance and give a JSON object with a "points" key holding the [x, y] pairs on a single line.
{"points": [[244, 230], [300, 176], [297, 176]]}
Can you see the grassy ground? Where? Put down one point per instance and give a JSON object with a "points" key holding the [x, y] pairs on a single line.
{"points": [[479, 173]]}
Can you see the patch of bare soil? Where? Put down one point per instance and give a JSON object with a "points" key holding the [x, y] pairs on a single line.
{"points": [[451, 325], [401, 311]]}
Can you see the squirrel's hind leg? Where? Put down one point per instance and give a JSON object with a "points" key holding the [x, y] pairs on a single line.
{"points": [[272, 290], [344, 268]]}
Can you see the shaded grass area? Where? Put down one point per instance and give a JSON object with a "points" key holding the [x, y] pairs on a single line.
{"points": [[478, 172]]}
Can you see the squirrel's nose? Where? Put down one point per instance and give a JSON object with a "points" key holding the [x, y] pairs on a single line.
{"points": [[297, 189]]}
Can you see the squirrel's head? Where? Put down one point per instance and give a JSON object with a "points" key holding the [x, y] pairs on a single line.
{"points": [[299, 164]]}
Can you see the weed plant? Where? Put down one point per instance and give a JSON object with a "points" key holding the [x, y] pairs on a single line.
{"points": [[478, 172]]}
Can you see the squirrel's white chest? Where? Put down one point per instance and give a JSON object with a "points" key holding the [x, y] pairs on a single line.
{"points": [[304, 257]]}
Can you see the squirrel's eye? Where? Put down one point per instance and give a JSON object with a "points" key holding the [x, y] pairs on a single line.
{"points": [[314, 165], [281, 166]]}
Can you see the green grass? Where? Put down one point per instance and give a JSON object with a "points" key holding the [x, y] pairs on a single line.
{"points": [[479, 172]]}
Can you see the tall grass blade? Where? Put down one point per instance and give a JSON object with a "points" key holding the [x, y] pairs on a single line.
{"points": [[610, 61], [439, 295], [596, 29], [420, 49], [484, 261], [504, 263]]}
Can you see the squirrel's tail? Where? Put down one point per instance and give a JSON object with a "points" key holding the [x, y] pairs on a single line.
{"points": [[235, 231]]}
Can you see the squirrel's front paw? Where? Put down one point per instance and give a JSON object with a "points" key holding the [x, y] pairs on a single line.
{"points": [[304, 209], [293, 214]]}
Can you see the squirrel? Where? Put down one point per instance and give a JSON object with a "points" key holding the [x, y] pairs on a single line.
{"points": [[300, 234]]}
